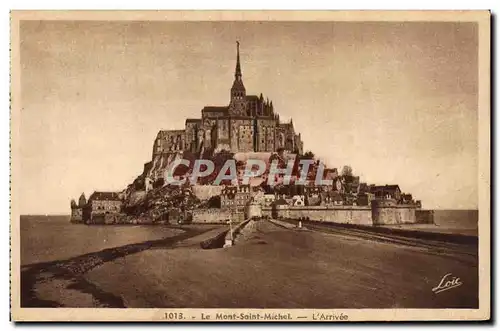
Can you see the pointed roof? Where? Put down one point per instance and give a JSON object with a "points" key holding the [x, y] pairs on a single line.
{"points": [[237, 72], [238, 82], [82, 200], [238, 85]]}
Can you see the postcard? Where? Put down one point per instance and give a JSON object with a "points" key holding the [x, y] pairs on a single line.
{"points": [[250, 166]]}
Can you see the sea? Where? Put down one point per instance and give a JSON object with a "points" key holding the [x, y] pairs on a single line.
{"points": [[49, 238], [457, 219]]}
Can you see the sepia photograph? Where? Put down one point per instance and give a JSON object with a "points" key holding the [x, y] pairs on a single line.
{"points": [[233, 166]]}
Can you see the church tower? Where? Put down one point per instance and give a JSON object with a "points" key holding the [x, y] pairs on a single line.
{"points": [[237, 105], [82, 201]]}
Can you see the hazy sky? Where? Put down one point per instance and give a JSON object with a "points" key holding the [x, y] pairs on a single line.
{"points": [[396, 101]]}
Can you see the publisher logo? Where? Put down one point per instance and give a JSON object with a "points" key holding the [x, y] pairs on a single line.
{"points": [[447, 283]]}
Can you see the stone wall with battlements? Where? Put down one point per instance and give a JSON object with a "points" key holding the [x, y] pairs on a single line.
{"points": [[360, 215], [214, 215]]}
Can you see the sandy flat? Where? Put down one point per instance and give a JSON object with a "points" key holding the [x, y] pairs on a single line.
{"points": [[282, 268]]}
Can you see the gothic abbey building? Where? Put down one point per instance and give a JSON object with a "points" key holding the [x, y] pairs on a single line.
{"points": [[248, 124]]}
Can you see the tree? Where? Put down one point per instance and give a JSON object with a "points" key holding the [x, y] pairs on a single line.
{"points": [[347, 171], [214, 202], [308, 155]]}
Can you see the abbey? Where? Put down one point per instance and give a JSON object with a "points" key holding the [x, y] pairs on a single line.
{"points": [[247, 124]]}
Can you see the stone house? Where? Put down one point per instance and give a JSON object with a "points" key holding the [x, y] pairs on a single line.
{"points": [[312, 195], [227, 197], [330, 198], [236, 197], [243, 197], [102, 206]]}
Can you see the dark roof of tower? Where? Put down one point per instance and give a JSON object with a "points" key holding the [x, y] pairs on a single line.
{"points": [[110, 196], [196, 120], [238, 85], [82, 201]]}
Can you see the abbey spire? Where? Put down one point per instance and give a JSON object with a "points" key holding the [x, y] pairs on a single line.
{"points": [[238, 91], [237, 72], [248, 123]]}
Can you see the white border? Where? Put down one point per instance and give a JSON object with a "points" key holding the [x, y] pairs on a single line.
{"points": [[90, 4]]}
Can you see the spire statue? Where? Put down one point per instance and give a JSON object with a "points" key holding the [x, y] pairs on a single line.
{"points": [[237, 72], [238, 91]]}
